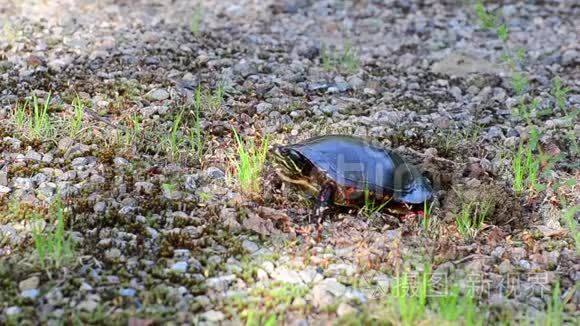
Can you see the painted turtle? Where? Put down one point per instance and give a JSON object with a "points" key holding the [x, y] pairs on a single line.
{"points": [[344, 170]]}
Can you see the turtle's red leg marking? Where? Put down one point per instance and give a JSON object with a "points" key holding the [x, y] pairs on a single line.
{"points": [[347, 194]]}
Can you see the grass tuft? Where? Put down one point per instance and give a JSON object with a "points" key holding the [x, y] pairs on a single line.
{"points": [[41, 124], [411, 299], [371, 206], [469, 220], [555, 309], [250, 163], [76, 123], [196, 19], [196, 134], [346, 60], [54, 246]]}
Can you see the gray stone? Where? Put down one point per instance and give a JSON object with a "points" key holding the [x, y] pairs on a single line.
{"points": [[23, 183], [179, 267], [100, 207], [328, 109], [182, 254], [203, 300], [33, 155], [325, 292], [3, 178], [220, 282], [261, 274], [310, 275], [574, 99], [67, 190], [127, 292], [390, 118], [498, 252], [119, 161], [505, 267], [85, 287], [214, 259], [39, 178], [244, 68], [65, 143], [341, 269], [10, 234], [88, 305], [190, 183], [12, 311], [268, 266], [250, 246], [263, 108], [494, 133], [462, 65], [332, 286], [144, 187], [524, 264], [30, 293], [285, 275], [355, 82], [518, 253], [213, 316], [214, 173], [355, 296], [170, 193], [344, 309], [299, 302], [158, 94], [570, 57], [113, 254], [29, 283]]}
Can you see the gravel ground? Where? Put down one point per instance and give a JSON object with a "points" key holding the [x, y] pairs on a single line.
{"points": [[165, 235]]}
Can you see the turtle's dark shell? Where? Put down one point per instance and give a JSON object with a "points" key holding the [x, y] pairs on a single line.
{"points": [[356, 166]]}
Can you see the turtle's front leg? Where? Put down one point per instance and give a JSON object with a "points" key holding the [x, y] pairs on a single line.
{"points": [[323, 201]]}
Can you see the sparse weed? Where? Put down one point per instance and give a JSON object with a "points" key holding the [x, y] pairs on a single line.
{"points": [[196, 135], [371, 206], [76, 123], [411, 299], [453, 307], [10, 32], [168, 189], [133, 133], [36, 124], [41, 124], [572, 225], [346, 61], [54, 247], [449, 306], [526, 166], [216, 99], [427, 220], [512, 59], [196, 19], [174, 141], [559, 94], [267, 305], [469, 220], [20, 117], [250, 163], [555, 309]]}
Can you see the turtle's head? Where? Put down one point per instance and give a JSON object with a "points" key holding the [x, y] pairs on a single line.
{"points": [[288, 162]]}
